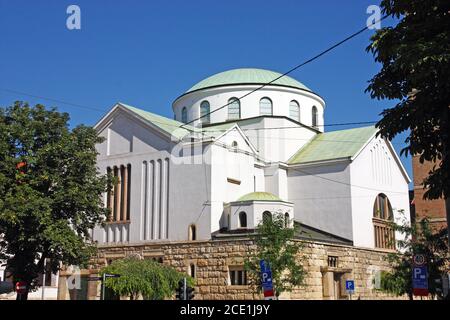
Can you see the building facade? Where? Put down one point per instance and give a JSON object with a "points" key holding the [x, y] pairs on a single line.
{"points": [[184, 186], [434, 210]]}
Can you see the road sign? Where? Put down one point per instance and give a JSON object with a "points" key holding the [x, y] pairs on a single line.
{"points": [[21, 287], [419, 260], [350, 286], [107, 275], [420, 281], [266, 280]]}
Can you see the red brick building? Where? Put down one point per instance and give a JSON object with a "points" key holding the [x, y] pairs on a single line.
{"points": [[433, 209]]}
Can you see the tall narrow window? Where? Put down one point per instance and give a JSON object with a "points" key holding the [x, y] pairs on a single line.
{"points": [[287, 220], [265, 107], [184, 115], [192, 270], [118, 198], [382, 223], [294, 110], [192, 232], [204, 112], [234, 109], [242, 220], [315, 117]]}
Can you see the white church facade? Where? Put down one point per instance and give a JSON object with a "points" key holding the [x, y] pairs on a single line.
{"points": [[223, 164]]}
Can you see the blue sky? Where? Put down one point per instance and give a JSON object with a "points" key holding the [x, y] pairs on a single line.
{"points": [[146, 53]]}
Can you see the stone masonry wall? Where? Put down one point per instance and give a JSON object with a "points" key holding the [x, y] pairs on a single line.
{"points": [[213, 259]]}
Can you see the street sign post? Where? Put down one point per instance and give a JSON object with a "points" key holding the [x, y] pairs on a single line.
{"points": [[266, 280], [107, 275], [420, 275], [350, 287]]}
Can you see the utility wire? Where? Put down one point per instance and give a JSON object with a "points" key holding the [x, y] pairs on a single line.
{"points": [[289, 71]]}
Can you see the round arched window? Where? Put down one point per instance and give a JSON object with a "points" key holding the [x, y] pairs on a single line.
{"points": [[265, 107], [294, 110], [266, 217], [204, 112], [184, 115], [234, 109], [315, 117], [242, 220]]}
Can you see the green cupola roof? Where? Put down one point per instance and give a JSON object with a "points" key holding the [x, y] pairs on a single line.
{"points": [[259, 196]]}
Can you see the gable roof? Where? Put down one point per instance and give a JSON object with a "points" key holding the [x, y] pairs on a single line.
{"points": [[169, 126], [342, 144]]}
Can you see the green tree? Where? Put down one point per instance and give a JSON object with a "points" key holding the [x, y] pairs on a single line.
{"points": [[419, 238], [50, 191], [276, 244], [146, 278], [415, 72]]}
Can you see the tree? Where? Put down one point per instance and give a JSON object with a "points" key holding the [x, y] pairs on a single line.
{"points": [[146, 278], [50, 191], [415, 58], [276, 244], [419, 238]]}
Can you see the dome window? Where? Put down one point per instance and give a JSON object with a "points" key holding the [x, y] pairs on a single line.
{"points": [[265, 107], [204, 112], [294, 110], [184, 115], [234, 109]]}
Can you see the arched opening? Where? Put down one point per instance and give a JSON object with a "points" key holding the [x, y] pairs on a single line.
{"points": [[294, 110], [234, 109], [184, 115], [315, 117], [287, 220], [265, 107], [234, 145], [383, 218], [242, 220], [266, 217], [192, 232], [204, 112]]}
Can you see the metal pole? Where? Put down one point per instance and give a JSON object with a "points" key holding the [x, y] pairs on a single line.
{"points": [[43, 280], [184, 289], [103, 286]]}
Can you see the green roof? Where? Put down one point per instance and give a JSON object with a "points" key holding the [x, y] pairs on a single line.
{"points": [[247, 76], [259, 196], [334, 145], [167, 125]]}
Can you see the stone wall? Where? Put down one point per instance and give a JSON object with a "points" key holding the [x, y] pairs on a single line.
{"points": [[212, 260]]}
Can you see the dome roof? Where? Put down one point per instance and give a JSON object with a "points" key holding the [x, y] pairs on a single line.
{"points": [[247, 76], [259, 196]]}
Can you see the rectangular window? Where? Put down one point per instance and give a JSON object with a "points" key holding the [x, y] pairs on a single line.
{"points": [[238, 276], [333, 261]]}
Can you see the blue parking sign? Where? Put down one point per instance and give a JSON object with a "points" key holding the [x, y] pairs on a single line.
{"points": [[266, 275], [420, 277], [350, 285]]}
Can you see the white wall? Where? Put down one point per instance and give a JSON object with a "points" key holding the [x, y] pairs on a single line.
{"points": [[319, 202], [280, 96], [376, 170]]}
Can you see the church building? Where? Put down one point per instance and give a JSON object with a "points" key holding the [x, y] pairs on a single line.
{"points": [[232, 156]]}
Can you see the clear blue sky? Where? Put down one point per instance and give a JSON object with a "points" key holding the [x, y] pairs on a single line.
{"points": [[146, 53]]}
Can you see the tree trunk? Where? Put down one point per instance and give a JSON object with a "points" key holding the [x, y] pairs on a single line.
{"points": [[22, 296]]}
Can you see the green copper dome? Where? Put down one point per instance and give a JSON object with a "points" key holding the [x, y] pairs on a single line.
{"points": [[259, 196], [247, 76]]}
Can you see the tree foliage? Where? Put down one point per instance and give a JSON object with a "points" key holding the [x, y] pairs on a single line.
{"points": [[420, 238], [50, 190], [146, 278], [276, 244], [415, 58]]}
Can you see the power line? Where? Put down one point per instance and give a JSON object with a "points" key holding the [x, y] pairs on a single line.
{"points": [[53, 100], [291, 70]]}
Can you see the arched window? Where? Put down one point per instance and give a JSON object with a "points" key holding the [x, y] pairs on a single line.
{"points": [[234, 109], [184, 115], [287, 220], [265, 107], [382, 223], [294, 110], [192, 232], [234, 145], [242, 220], [315, 117], [267, 217], [204, 112]]}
